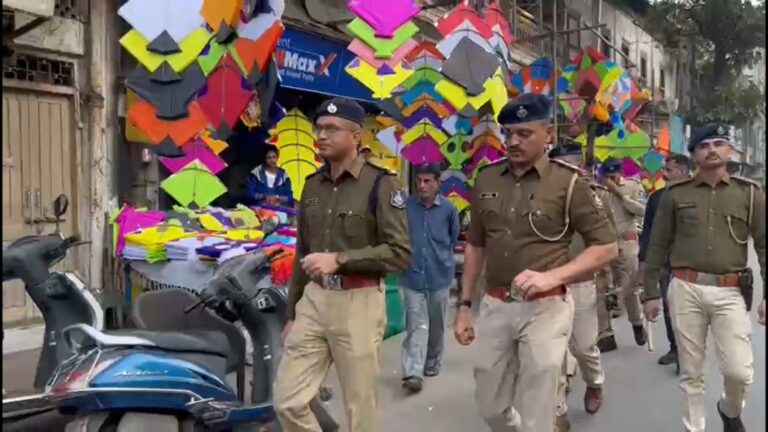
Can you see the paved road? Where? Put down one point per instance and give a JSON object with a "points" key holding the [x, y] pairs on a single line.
{"points": [[640, 396]]}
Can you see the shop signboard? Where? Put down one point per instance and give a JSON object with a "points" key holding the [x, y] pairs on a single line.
{"points": [[312, 63]]}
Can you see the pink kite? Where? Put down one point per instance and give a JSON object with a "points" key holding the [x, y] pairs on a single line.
{"points": [[130, 220], [195, 150], [423, 150], [385, 17], [362, 50]]}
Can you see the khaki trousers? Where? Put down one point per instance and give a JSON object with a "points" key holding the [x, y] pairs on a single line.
{"points": [[625, 268], [603, 282], [521, 350], [343, 327], [696, 309], [583, 342]]}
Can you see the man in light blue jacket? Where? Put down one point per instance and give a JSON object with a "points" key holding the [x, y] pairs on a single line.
{"points": [[434, 230]]}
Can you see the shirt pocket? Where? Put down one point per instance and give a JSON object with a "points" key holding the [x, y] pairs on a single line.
{"points": [[687, 219], [738, 225], [490, 210], [354, 226], [545, 219]]}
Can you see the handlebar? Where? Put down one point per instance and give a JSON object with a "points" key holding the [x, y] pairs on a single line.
{"points": [[225, 279]]}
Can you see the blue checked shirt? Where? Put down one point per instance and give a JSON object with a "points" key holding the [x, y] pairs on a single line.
{"points": [[434, 232]]}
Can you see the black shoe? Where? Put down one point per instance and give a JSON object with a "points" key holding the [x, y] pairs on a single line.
{"points": [[639, 332], [731, 424], [607, 344], [413, 384], [431, 372], [668, 358]]}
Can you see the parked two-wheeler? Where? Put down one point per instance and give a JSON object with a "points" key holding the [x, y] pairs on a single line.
{"points": [[171, 381], [61, 297]]}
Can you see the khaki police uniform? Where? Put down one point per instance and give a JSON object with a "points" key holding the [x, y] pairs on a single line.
{"points": [[341, 318], [704, 231], [583, 342], [524, 223], [604, 278], [628, 212]]}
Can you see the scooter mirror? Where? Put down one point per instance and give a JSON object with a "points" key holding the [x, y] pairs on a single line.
{"points": [[60, 205]]}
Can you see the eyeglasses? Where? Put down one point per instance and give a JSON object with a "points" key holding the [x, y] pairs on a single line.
{"points": [[328, 129]]}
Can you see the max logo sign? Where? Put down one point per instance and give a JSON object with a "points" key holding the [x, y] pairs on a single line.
{"points": [[306, 64]]}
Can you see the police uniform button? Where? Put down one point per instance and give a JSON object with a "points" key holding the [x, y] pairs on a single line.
{"points": [[538, 212], [329, 211], [517, 184], [509, 231], [335, 189]]}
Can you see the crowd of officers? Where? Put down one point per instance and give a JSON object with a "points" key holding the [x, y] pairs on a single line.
{"points": [[548, 238]]}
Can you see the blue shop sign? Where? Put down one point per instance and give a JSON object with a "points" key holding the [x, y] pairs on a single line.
{"points": [[312, 63]]}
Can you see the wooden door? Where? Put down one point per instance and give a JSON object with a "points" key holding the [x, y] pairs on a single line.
{"points": [[38, 165]]}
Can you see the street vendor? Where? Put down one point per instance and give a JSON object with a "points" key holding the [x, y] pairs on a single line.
{"points": [[269, 184], [352, 230]]}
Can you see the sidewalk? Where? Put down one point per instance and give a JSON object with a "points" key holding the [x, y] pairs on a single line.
{"points": [[21, 351]]}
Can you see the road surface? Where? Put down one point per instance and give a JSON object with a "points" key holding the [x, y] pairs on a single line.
{"points": [[639, 395]]}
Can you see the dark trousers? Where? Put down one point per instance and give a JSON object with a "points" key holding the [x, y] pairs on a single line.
{"points": [[666, 277]]}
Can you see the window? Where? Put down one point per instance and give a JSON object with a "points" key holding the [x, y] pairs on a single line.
{"points": [[574, 37], [662, 83], [604, 47], [625, 50], [644, 66]]}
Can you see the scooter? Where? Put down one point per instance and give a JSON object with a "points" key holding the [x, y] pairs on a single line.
{"points": [[171, 381], [62, 298]]}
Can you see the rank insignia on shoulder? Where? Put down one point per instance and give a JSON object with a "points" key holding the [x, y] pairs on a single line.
{"points": [[311, 201], [489, 195], [397, 199]]}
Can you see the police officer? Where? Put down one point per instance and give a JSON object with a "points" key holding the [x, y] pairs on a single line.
{"points": [[352, 230], [524, 211], [703, 226], [583, 342], [628, 211]]}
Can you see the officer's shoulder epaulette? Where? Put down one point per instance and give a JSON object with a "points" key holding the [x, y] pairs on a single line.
{"points": [[748, 181], [380, 168], [566, 165], [492, 164]]}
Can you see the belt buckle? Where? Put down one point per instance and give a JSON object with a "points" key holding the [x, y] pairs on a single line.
{"points": [[511, 295], [332, 282], [708, 279]]}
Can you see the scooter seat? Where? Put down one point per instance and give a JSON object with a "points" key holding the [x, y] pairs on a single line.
{"points": [[191, 341]]}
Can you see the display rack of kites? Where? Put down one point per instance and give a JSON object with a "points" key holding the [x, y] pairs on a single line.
{"points": [[202, 66], [208, 236]]}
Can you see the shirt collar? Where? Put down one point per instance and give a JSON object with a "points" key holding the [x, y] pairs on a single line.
{"points": [[542, 167], [698, 180], [438, 200], [353, 169]]}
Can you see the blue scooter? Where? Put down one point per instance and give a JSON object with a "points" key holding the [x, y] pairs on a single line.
{"points": [[141, 380]]}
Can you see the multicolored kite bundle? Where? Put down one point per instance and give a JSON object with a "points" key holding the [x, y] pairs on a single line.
{"points": [[201, 64]]}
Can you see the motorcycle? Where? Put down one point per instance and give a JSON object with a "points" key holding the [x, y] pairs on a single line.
{"points": [[62, 298], [176, 380]]}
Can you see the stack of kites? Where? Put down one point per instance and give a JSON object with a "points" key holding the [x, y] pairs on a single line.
{"points": [[293, 137], [443, 107], [203, 65], [599, 90], [209, 236]]}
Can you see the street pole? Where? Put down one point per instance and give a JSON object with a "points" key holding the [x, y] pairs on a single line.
{"points": [[555, 66]]}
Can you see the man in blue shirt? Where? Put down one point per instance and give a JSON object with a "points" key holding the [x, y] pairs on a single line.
{"points": [[677, 168], [434, 227]]}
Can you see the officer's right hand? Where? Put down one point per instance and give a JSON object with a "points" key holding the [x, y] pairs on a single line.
{"points": [[652, 308], [462, 326], [286, 330]]}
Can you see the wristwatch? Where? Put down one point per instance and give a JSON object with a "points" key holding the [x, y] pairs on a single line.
{"points": [[460, 303], [342, 258]]}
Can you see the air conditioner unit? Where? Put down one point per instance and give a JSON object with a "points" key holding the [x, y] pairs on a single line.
{"points": [[38, 8]]}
